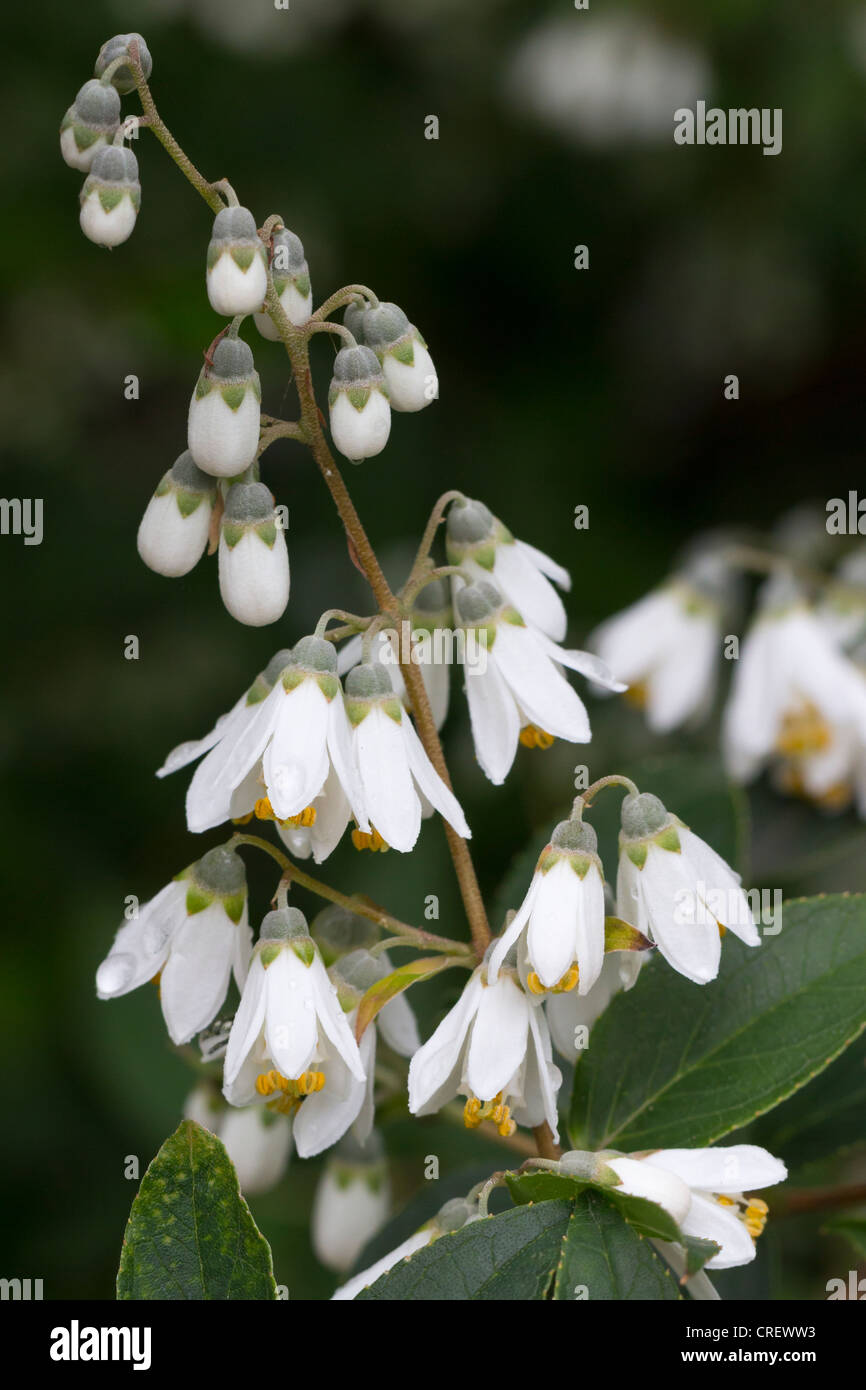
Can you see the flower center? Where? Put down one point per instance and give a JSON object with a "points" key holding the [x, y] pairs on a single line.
{"points": [[563, 986], [268, 1083], [372, 841], [533, 737], [803, 731], [475, 1111], [752, 1211], [265, 811], [636, 695]]}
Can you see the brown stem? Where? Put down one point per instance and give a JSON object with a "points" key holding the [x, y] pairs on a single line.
{"points": [[544, 1142], [819, 1199]]}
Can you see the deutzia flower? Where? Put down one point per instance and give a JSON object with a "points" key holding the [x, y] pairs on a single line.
{"points": [[666, 648], [351, 1203], [283, 751], [291, 277], [562, 915], [89, 124], [517, 692], [225, 411], [237, 276], [430, 615], [111, 196], [677, 891], [794, 694], [397, 777], [358, 403], [253, 557], [494, 1048], [123, 78], [478, 542], [452, 1217], [702, 1189], [406, 363], [290, 1036], [194, 934], [257, 1140], [174, 530], [337, 1109]]}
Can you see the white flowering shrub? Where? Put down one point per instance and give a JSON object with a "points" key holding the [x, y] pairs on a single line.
{"points": [[704, 1012]]}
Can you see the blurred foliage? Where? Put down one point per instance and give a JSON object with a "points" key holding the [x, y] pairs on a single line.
{"points": [[558, 388]]}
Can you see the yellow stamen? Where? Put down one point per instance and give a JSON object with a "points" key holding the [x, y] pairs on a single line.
{"points": [[267, 1082], [373, 841], [535, 985], [725, 1201], [533, 737], [568, 981], [636, 695], [265, 811], [242, 820], [803, 731], [470, 1113]]}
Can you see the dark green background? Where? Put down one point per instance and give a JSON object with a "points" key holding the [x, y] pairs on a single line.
{"points": [[558, 388]]}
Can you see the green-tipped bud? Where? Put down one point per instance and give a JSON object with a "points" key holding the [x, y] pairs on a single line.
{"points": [[642, 815], [338, 932], [176, 524], [368, 681], [285, 924], [574, 835], [315, 653], [237, 275], [469, 522], [111, 196], [89, 125], [123, 78], [477, 602]]}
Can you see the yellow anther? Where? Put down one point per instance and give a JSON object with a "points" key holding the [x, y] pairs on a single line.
{"points": [[308, 1082], [535, 985], [242, 820], [471, 1118], [756, 1207], [725, 1201], [263, 810], [568, 981], [373, 841], [533, 737], [507, 1127], [304, 818], [803, 731], [265, 1084]]}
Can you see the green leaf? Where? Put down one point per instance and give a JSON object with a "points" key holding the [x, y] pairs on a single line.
{"points": [[190, 1234], [603, 1258], [379, 994], [512, 1256], [853, 1228], [824, 1118], [673, 1064]]}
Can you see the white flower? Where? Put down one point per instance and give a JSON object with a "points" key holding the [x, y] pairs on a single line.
{"points": [[89, 124], [258, 1141], [286, 744], [358, 403], [351, 1203], [174, 530], [678, 891], [397, 777], [494, 1048], [562, 915], [254, 573], [225, 411], [111, 196], [486, 550], [519, 694], [406, 364], [237, 277], [452, 1217], [193, 935], [793, 693], [290, 1036], [568, 1011], [666, 648], [291, 277], [702, 1189]]}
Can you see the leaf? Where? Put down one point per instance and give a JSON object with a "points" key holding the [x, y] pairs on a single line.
{"points": [[853, 1228], [672, 1064], [386, 989], [190, 1234], [604, 1259], [824, 1118], [510, 1256], [621, 936]]}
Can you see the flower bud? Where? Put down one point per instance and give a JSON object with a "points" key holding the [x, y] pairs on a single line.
{"points": [[291, 277], [123, 78], [353, 318], [225, 411], [339, 932], [111, 196], [89, 124], [351, 1201], [174, 530], [642, 815], [237, 277], [253, 559], [406, 363], [358, 401]]}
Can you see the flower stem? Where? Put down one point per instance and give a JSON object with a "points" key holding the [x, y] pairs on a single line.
{"points": [[340, 299], [155, 123]]}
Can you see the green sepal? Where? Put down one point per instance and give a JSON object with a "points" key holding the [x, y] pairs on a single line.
{"points": [[164, 485], [668, 839], [197, 899], [269, 953], [357, 711], [358, 396], [187, 502], [243, 256], [393, 709], [267, 532], [637, 853], [302, 284], [333, 393], [512, 616], [293, 676], [234, 395], [548, 857], [581, 864], [110, 197], [135, 199], [258, 691], [85, 136], [255, 385], [214, 251], [203, 387], [233, 906], [403, 351], [622, 936], [305, 949], [328, 684], [233, 532]]}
